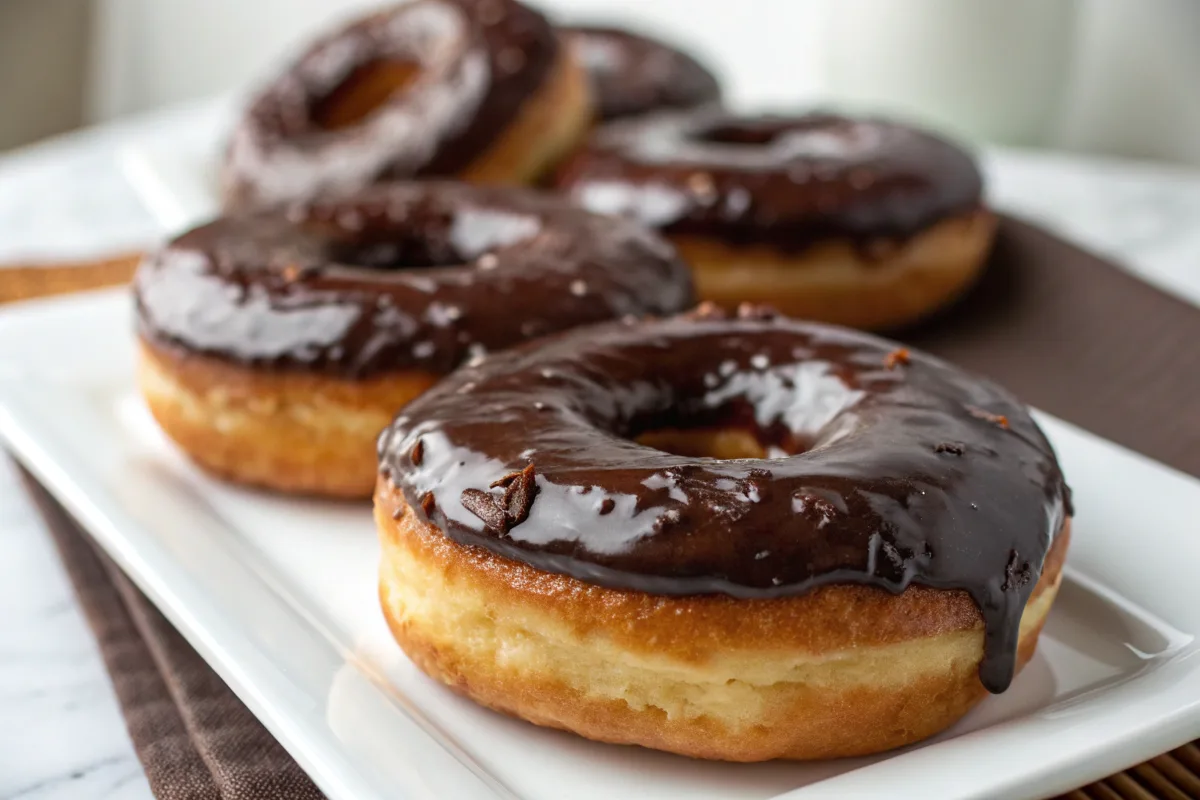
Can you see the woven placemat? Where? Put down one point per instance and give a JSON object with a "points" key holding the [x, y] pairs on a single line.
{"points": [[1171, 776], [28, 281]]}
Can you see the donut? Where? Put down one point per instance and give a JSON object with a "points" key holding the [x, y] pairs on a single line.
{"points": [[739, 538], [277, 343], [480, 90], [632, 74], [864, 223]]}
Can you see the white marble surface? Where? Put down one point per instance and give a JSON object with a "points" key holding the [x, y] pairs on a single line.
{"points": [[61, 733]]}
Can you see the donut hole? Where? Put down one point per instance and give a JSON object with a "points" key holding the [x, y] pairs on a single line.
{"points": [[366, 88], [396, 253], [747, 134], [422, 238], [726, 433], [720, 443]]}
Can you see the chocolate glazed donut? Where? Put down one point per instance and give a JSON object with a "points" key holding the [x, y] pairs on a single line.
{"points": [[277, 344], [859, 222], [478, 89], [742, 538], [632, 74]]}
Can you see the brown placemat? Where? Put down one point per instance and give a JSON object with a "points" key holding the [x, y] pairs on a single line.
{"points": [[1074, 335], [1064, 329], [195, 739], [27, 281]]}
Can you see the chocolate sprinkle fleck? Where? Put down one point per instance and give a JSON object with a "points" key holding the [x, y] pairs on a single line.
{"points": [[897, 357], [756, 311], [987, 416], [707, 310], [1017, 574], [483, 505], [519, 491], [509, 509]]}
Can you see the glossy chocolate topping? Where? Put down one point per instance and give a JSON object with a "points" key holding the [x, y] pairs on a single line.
{"points": [[462, 69], [889, 467], [633, 74], [781, 181], [399, 276]]}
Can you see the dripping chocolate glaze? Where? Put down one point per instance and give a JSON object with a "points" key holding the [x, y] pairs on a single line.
{"points": [[779, 181], [905, 470], [633, 74], [400, 276], [478, 62]]}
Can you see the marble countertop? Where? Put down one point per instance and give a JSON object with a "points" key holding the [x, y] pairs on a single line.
{"points": [[61, 732]]}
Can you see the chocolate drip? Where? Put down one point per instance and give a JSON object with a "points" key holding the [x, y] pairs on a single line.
{"points": [[400, 276], [893, 477], [473, 64], [780, 181], [633, 74]]}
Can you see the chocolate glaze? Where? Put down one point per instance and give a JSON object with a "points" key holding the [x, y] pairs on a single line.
{"points": [[902, 470], [399, 276], [479, 61], [633, 74], [781, 181]]}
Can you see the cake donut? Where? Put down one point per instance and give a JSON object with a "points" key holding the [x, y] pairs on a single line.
{"points": [[277, 344], [857, 222], [633, 74], [738, 538], [481, 90]]}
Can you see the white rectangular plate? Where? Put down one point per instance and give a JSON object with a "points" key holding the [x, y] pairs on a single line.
{"points": [[279, 596]]}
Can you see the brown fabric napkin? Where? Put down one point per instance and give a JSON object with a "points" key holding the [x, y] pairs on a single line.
{"points": [[1064, 329], [195, 739], [26, 281]]}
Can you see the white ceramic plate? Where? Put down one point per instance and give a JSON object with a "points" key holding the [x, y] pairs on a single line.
{"points": [[279, 596]]}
